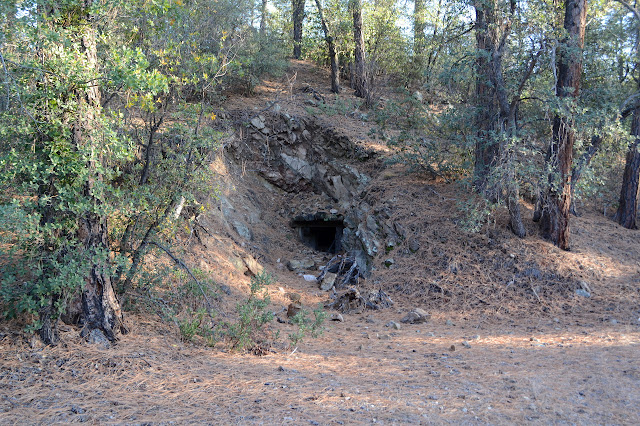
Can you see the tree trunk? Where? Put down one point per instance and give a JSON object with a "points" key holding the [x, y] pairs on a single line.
{"points": [[263, 17], [333, 56], [100, 308], [495, 117], [556, 200], [486, 147], [359, 69], [298, 18], [419, 37], [628, 206]]}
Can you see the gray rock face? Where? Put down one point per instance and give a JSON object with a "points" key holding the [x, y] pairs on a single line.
{"points": [[243, 230]]}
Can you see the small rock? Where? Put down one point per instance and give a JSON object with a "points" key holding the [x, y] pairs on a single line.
{"points": [[414, 245], [466, 344], [309, 278], [384, 337], [585, 286], [293, 309], [583, 293], [389, 262], [296, 265], [97, 337], [257, 123], [328, 281], [614, 321], [416, 316], [449, 322], [394, 325], [333, 211], [294, 297], [337, 317]]}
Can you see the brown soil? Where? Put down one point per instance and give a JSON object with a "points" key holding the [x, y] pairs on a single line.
{"points": [[509, 340]]}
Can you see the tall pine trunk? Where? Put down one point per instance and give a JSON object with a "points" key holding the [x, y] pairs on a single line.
{"points": [[263, 17], [298, 18], [556, 200], [495, 116], [359, 69], [626, 214], [333, 56], [487, 110]]}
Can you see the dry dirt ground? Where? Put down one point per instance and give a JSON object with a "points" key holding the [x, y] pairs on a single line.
{"points": [[509, 340]]}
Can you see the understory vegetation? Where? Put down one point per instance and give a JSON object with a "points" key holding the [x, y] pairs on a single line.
{"points": [[111, 112]]}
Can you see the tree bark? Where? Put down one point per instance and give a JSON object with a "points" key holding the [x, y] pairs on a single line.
{"points": [[419, 37], [359, 68], [333, 56], [556, 200], [627, 212], [298, 18], [486, 146], [100, 308], [495, 116], [263, 17]]}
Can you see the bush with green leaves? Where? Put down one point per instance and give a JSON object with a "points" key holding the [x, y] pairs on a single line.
{"points": [[253, 314], [307, 326], [423, 139]]}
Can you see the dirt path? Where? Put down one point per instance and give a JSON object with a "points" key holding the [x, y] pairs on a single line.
{"points": [[360, 372]]}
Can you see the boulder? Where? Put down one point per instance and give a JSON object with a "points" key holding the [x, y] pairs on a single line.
{"points": [[299, 265], [416, 316], [253, 267], [293, 309], [328, 281]]}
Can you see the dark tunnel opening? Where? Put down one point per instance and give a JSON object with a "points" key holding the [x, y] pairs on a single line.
{"points": [[321, 234]]}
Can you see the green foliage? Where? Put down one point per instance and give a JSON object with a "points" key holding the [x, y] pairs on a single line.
{"points": [[475, 213], [253, 314], [337, 106], [258, 56], [305, 325], [192, 324], [422, 139]]}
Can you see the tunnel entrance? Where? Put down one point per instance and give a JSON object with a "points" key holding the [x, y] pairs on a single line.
{"points": [[320, 231]]}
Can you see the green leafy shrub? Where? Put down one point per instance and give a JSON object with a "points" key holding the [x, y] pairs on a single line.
{"points": [[253, 314], [305, 325]]}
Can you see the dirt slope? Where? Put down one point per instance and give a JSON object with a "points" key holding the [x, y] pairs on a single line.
{"points": [[510, 340]]}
